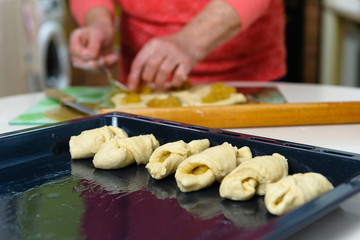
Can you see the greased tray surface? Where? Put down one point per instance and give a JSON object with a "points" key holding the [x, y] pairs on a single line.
{"points": [[44, 194]]}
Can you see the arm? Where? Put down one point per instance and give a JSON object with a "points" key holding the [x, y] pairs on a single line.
{"points": [[215, 24], [177, 54]]}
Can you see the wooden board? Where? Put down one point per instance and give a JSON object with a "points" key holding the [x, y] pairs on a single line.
{"points": [[255, 115]]}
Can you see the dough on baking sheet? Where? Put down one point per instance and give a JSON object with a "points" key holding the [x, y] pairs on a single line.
{"points": [[201, 170], [295, 190], [243, 154], [121, 152], [252, 176], [166, 158], [197, 146], [89, 142]]}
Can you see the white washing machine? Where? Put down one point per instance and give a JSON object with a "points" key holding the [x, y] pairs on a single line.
{"points": [[34, 46]]}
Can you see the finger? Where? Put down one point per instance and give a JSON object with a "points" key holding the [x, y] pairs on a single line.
{"points": [[151, 67], [180, 75], [137, 66], [134, 75], [85, 66], [110, 59], [167, 67], [94, 45], [78, 42], [81, 64]]}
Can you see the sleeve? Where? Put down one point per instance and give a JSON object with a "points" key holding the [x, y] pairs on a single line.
{"points": [[79, 8], [249, 10]]}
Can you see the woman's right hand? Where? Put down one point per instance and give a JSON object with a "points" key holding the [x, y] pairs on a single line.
{"points": [[89, 44]]}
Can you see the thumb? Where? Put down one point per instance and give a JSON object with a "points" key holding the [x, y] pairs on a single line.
{"points": [[111, 59]]}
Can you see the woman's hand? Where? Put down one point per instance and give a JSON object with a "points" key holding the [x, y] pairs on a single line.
{"points": [[94, 41], [160, 59]]}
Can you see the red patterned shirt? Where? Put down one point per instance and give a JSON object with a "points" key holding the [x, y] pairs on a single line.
{"points": [[256, 54]]}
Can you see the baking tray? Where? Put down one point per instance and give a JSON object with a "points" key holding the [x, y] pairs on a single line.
{"points": [[44, 194]]}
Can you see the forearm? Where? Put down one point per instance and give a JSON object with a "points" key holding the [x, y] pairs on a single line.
{"points": [[99, 15], [214, 25]]}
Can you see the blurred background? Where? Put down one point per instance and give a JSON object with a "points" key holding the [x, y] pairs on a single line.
{"points": [[322, 38]]}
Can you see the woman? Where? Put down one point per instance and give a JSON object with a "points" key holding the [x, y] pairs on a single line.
{"points": [[204, 40]]}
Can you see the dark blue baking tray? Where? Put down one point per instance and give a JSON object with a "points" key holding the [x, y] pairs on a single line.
{"points": [[46, 195]]}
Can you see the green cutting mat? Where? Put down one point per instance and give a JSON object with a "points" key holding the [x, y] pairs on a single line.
{"points": [[35, 114]]}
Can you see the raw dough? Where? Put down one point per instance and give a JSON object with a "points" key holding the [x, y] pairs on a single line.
{"points": [[193, 97], [197, 146], [243, 154], [252, 176], [295, 190], [201, 170], [189, 97], [121, 152], [89, 142], [166, 158], [118, 100]]}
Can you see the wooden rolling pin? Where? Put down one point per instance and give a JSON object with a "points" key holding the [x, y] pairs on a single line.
{"points": [[255, 115]]}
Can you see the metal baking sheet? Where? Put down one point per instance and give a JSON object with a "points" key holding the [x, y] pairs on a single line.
{"points": [[44, 194]]}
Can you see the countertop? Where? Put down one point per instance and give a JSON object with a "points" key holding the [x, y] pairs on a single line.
{"points": [[344, 222]]}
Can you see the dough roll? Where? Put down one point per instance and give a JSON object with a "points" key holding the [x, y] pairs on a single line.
{"points": [[252, 176], [88, 143], [201, 170], [295, 190], [121, 152], [166, 158]]}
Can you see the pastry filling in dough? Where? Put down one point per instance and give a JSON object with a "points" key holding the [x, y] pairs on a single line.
{"points": [[252, 176], [166, 158], [88, 143], [119, 153], [293, 191], [201, 169]]}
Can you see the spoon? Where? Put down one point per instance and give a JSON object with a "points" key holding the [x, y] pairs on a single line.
{"points": [[113, 83]]}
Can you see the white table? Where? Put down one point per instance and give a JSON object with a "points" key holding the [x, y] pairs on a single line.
{"points": [[344, 222]]}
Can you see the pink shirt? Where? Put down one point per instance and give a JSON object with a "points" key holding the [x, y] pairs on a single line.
{"points": [[257, 53]]}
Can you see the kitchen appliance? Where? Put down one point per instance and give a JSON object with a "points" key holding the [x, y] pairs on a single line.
{"points": [[33, 46]]}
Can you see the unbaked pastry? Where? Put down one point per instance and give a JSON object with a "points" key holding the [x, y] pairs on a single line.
{"points": [[201, 170], [89, 142], [193, 96], [166, 158], [121, 152], [188, 97], [118, 100], [252, 176], [295, 190], [243, 154]]}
